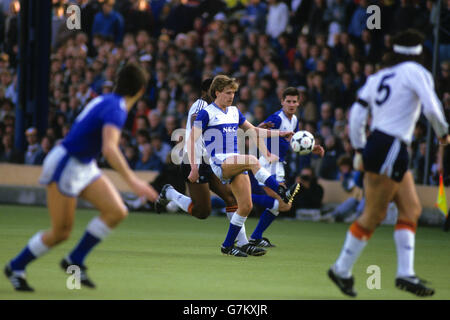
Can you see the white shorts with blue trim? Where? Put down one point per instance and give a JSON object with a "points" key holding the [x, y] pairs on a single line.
{"points": [[275, 168], [71, 175], [216, 165]]}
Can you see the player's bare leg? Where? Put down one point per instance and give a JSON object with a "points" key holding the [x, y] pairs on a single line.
{"points": [[240, 186], [409, 210], [236, 164], [224, 191], [267, 217], [105, 198], [200, 206], [379, 191], [62, 212]]}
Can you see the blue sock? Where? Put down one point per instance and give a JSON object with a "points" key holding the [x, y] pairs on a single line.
{"points": [[272, 183], [264, 222], [22, 259], [233, 231], [87, 242], [263, 200]]}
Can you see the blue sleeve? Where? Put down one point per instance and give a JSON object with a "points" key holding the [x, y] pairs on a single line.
{"points": [[115, 116], [275, 119], [296, 126], [202, 120], [241, 117]]}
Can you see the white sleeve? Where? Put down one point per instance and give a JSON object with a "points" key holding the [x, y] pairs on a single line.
{"points": [[422, 83], [357, 124]]}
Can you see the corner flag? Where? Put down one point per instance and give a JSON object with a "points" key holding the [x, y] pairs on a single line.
{"points": [[441, 202]]}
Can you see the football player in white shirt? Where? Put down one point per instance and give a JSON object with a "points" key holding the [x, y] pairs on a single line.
{"points": [[218, 123], [198, 204], [393, 96]]}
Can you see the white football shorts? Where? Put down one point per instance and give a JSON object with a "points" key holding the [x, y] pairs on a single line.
{"points": [[71, 175]]}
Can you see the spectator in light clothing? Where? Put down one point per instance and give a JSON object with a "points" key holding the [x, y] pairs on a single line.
{"points": [[34, 148], [277, 18]]}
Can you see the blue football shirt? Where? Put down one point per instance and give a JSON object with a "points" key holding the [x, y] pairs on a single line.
{"points": [[84, 140]]}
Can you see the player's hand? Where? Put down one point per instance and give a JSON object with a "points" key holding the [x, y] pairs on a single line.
{"points": [[286, 134], [266, 125], [143, 189], [358, 162], [193, 175], [445, 140], [272, 157], [319, 150]]}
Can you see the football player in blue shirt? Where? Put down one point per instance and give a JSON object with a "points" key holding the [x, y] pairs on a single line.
{"points": [[284, 119], [70, 170]]}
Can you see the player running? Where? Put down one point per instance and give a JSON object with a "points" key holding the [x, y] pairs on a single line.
{"points": [[394, 96], [286, 120], [199, 203], [217, 123], [70, 170]]}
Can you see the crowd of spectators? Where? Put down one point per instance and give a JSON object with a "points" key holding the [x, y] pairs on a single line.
{"points": [[322, 47]]}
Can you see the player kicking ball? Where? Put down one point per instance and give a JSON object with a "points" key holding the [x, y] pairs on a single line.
{"points": [[70, 170], [198, 204], [394, 96], [218, 123], [283, 119]]}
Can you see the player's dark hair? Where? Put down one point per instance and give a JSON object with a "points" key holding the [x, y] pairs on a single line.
{"points": [[290, 91], [130, 79], [205, 89], [407, 38]]}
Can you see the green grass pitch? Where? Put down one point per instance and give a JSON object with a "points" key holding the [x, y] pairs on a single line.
{"points": [[174, 256]]}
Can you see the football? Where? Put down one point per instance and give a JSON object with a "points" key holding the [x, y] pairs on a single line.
{"points": [[302, 142]]}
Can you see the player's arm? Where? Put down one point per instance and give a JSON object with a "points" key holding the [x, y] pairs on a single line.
{"points": [[422, 82], [357, 125], [193, 157], [200, 122], [112, 153]]}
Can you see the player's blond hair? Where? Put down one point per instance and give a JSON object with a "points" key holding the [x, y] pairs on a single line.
{"points": [[221, 82]]}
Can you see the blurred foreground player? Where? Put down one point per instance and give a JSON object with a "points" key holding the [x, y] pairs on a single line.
{"points": [[394, 96], [70, 170]]}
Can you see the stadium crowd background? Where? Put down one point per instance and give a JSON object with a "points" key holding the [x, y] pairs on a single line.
{"points": [[322, 47]]}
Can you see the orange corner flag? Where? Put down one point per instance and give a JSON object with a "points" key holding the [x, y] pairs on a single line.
{"points": [[441, 202]]}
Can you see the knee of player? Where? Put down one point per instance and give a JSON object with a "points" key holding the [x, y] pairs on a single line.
{"points": [[201, 212], [230, 201], [121, 212], [61, 235], [252, 160], [283, 206], [246, 207]]}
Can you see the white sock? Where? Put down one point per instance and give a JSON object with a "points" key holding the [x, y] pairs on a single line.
{"points": [[274, 209], [37, 246], [172, 206], [238, 220], [98, 228], [349, 254], [404, 242], [139, 202], [242, 235], [180, 199], [261, 175]]}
